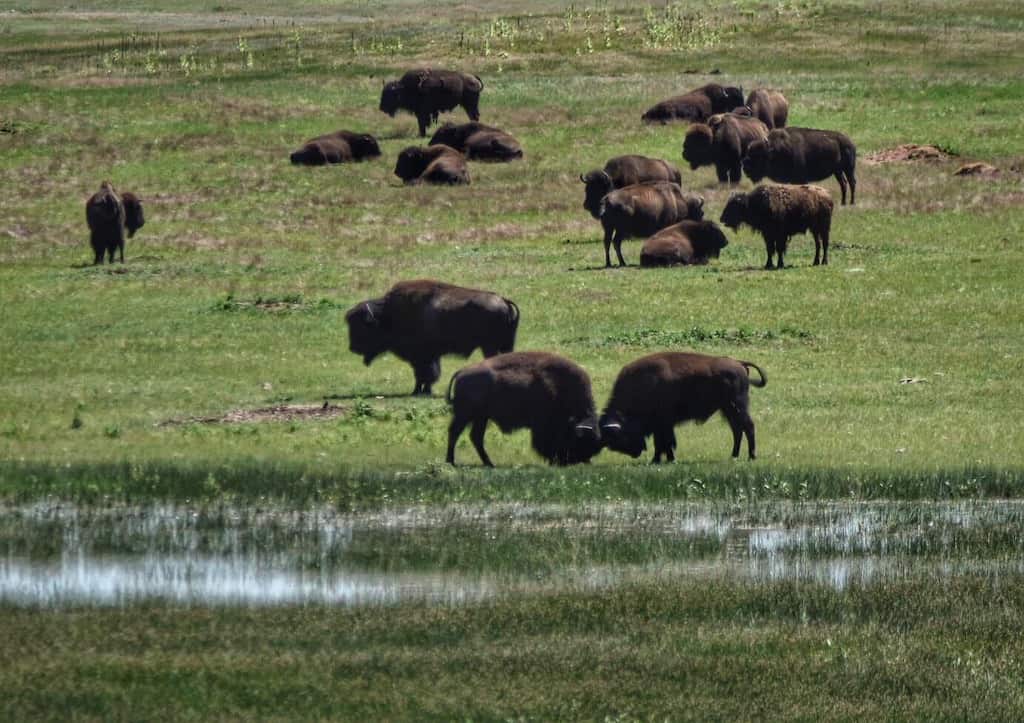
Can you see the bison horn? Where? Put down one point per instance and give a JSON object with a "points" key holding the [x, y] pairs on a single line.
{"points": [[582, 178], [369, 313], [611, 425]]}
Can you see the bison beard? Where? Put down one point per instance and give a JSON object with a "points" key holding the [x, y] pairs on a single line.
{"points": [[425, 93]]}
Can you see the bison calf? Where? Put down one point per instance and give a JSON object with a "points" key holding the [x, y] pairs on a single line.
{"points": [[653, 394], [337, 147], [622, 171], [643, 209], [478, 141], [109, 217], [769, 106], [696, 106], [683, 243], [542, 392], [420, 321], [804, 155], [722, 142], [434, 164], [780, 212], [425, 93]]}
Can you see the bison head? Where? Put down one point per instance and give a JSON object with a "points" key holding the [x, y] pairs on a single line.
{"points": [[133, 216], [694, 206], [710, 241], [697, 146], [621, 435], [733, 98], [755, 163], [391, 97], [411, 164], [576, 443], [367, 332], [660, 113], [735, 213], [364, 146], [598, 185]]}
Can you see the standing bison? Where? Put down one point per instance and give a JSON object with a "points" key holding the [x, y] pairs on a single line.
{"points": [[337, 147], [623, 171], [420, 321], [656, 392], [696, 106], [769, 106], [426, 93], [685, 243], [542, 392], [433, 164], [110, 216], [723, 143], [780, 212], [478, 141], [643, 209], [803, 155]]}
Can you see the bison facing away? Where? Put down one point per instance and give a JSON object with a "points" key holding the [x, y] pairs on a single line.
{"points": [[722, 142], [623, 171], [684, 243], [769, 106], [780, 212], [653, 394], [642, 210], [438, 164], [110, 216], [803, 155], [542, 392], [337, 147], [478, 141], [420, 321], [696, 106], [426, 93]]}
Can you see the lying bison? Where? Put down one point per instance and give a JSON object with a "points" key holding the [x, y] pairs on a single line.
{"points": [[643, 209], [653, 394], [722, 142], [542, 392], [769, 106], [780, 212], [337, 147], [696, 106], [623, 171], [425, 93], [685, 243], [110, 216], [803, 155], [420, 321], [478, 141], [434, 164]]}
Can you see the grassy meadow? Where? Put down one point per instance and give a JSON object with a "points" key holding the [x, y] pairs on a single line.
{"points": [[892, 373]]}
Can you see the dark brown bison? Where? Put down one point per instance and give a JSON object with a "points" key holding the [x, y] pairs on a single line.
{"points": [[780, 212], [478, 141], [110, 216], [432, 164], [542, 392], [655, 393], [337, 147], [623, 171], [769, 106], [722, 142], [420, 321], [425, 93], [685, 243], [696, 106], [803, 155], [643, 209]]}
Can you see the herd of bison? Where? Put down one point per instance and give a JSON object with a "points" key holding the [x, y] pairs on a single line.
{"points": [[633, 197]]}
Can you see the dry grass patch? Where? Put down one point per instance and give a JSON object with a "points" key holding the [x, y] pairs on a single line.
{"points": [[277, 413]]}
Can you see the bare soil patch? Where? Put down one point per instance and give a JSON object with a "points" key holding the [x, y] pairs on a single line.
{"points": [[277, 413], [908, 152]]}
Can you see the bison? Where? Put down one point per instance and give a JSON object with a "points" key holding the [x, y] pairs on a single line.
{"points": [[478, 141], [722, 142], [425, 93], [433, 164], [803, 155], [110, 216], [643, 209], [654, 393], [420, 321], [624, 171], [769, 106], [337, 147], [696, 106], [539, 391], [685, 243], [780, 212]]}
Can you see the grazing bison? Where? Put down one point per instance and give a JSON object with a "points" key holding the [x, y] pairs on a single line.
{"points": [[803, 155], [337, 147], [696, 106], [420, 321], [769, 106], [722, 142], [780, 212], [425, 93], [478, 141], [432, 164], [643, 209], [110, 216], [685, 243], [656, 392], [623, 171], [542, 392]]}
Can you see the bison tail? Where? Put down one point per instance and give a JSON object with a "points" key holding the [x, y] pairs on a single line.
{"points": [[451, 384], [764, 378], [480, 81]]}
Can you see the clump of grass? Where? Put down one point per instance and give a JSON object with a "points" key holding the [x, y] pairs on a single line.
{"points": [[655, 338]]}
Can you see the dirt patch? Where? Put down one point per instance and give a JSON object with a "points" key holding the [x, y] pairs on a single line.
{"points": [[983, 170], [908, 152], [279, 413]]}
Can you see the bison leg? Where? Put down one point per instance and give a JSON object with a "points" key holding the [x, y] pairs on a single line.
{"points": [[618, 248], [664, 442], [97, 250], [424, 120], [476, 435], [427, 372], [740, 421], [724, 172], [472, 106], [817, 248], [824, 240], [454, 431], [853, 183], [769, 247], [608, 231], [842, 188], [780, 250]]}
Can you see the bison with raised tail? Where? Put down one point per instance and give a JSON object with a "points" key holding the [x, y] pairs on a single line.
{"points": [[722, 142], [438, 164], [642, 210], [655, 393], [685, 243], [622, 171], [696, 106], [478, 141], [110, 216], [769, 106], [337, 147], [426, 93], [779, 212], [542, 392], [803, 155], [420, 321]]}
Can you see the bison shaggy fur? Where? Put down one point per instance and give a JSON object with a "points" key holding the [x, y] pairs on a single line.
{"points": [[623, 171], [722, 142], [338, 147], [769, 106], [426, 93], [685, 243], [779, 212], [438, 164], [696, 106], [110, 217], [643, 209], [654, 393], [539, 391], [803, 155], [420, 321], [478, 141]]}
